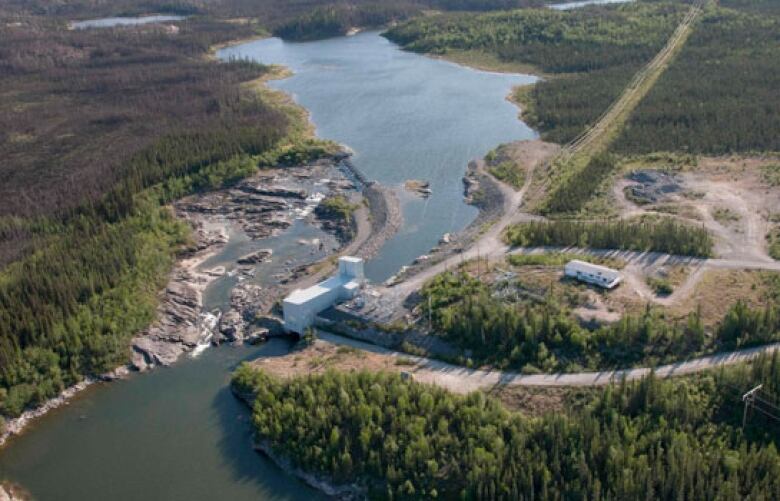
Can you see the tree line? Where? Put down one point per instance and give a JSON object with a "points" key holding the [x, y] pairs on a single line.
{"points": [[597, 49], [719, 95], [658, 234], [397, 439], [337, 20], [572, 193], [532, 336], [131, 119]]}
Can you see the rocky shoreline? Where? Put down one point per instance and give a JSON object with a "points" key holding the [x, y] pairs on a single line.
{"points": [[262, 206], [480, 190], [386, 218], [17, 425], [10, 492]]}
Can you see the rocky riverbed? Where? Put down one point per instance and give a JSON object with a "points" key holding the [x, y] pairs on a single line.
{"points": [[262, 206]]}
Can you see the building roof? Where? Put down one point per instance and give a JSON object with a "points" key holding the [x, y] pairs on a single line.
{"points": [[592, 268], [300, 296]]}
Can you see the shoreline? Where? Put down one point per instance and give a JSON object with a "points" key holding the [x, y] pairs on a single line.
{"points": [[462, 59], [320, 483], [211, 54], [184, 274], [17, 426]]}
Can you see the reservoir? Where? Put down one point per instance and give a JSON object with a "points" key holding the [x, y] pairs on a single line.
{"points": [[584, 3], [406, 117], [178, 433]]}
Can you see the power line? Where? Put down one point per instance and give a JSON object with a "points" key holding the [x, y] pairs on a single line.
{"points": [[749, 400], [767, 403], [759, 409]]}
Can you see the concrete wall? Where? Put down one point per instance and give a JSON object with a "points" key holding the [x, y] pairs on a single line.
{"points": [[301, 307]]}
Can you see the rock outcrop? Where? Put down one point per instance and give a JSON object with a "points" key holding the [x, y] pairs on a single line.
{"points": [[9, 492], [231, 326], [260, 256], [422, 188], [179, 327]]}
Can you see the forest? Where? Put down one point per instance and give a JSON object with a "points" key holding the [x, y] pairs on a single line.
{"points": [[719, 95], [271, 11], [597, 50], [101, 132], [98, 130], [533, 336], [573, 192], [659, 234], [398, 439], [337, 20]]}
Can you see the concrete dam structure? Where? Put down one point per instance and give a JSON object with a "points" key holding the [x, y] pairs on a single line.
{"points": [[302, 305]]}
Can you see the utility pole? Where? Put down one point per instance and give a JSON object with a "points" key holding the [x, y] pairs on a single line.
{"points": [[430, 314], [749, 399]]}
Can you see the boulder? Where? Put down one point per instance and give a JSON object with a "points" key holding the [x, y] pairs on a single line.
{"points": [[274, 325], [260, 256], [257, 336], [420, 187], [247, 299], [231, 326], [274, 191], [149, 351]]}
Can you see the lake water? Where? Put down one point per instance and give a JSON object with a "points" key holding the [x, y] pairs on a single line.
{"points": [[406, 117], [178, 433], [109, 22], [170, 434], [584, 3]]}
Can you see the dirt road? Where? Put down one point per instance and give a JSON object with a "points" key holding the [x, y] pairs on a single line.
{"points": [[463, 380]]}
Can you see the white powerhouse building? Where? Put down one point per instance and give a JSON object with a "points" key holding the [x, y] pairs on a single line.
{"points": [[592, 273], [303, 305]]}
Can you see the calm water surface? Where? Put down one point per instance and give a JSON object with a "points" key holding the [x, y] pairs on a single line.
{"points": [[172, 434], [406, 117], [584, 3], [109, 22], [178, 433]]}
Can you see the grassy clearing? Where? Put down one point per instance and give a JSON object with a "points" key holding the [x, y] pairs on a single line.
{"points": [[509, 173], [643, 234], [773, 239], [771, 174], [560, 259], [725, 216]]}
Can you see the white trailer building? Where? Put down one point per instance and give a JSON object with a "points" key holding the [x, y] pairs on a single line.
{"points": [[302, 305], [592, 274]]}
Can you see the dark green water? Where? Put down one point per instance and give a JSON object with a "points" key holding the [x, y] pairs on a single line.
{"points": [[178, 433], [171, 434]]}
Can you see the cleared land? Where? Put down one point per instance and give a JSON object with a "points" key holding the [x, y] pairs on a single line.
{"points": [[339, 353]]}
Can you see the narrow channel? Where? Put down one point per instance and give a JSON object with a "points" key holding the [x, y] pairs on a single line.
{"points": [[178, 433]]}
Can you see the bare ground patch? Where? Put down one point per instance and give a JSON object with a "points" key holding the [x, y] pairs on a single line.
{"points": [[717, 290], [321, 356], [536, 401], [731, 196]]}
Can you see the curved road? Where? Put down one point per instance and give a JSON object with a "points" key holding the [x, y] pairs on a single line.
{"points": [[463, 380]]}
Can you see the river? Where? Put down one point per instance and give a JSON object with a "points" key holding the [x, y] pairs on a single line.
{"points": [[406, 117], [178, 433]]}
